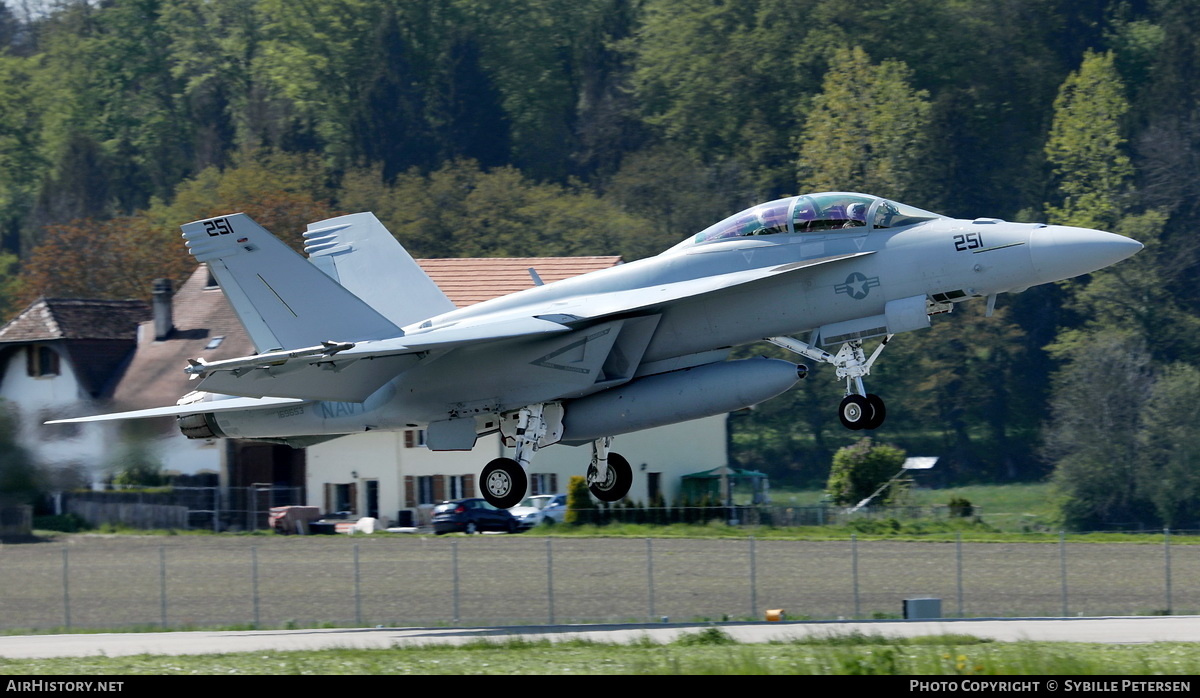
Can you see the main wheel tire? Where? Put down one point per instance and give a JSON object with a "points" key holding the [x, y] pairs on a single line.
{"points": [[855, 412], [879, 412], [504, 483], [617, 484]]}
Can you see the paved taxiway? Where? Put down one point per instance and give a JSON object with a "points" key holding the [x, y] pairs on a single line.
{"points": [[1104, 630]]}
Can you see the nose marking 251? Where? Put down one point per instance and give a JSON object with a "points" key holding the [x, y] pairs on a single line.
{"points": [[967, 241]]}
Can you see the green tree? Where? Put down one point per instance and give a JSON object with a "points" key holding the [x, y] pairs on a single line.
{"points": [[1169, 472], [694, 197], [866, 131], [461, 210], [860, 469], [20, 479], [1099, 396], [21, 161], [580, 507], [1086, 148], [134, 462], [723, 79]]}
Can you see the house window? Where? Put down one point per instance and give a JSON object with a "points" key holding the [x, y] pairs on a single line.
{"points": [[425, 494], [543, 483], [414, 438], [343, 497], [456, 487], [41, 361]]}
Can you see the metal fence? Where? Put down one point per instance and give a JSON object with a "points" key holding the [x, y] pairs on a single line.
{"points": [[246, 509], [395, 580], [183, 508]]}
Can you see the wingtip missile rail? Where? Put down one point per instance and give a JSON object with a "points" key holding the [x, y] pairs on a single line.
{"points": [[199, 368]]}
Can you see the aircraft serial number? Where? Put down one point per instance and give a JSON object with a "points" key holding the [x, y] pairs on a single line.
{"points": [[968, 241], [217, 226]]}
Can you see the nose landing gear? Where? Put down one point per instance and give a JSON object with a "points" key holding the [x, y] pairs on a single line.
{"points": [[859, 409]]}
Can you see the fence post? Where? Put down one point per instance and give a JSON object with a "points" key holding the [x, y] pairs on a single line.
{"points": [[753, 581], [162, 585], [66, 576], [550, 579], [650, 576], [454, 573], [1167, 562], [254, 581], [1062, 557], [357, 589], [959, 565], [854, 570]]}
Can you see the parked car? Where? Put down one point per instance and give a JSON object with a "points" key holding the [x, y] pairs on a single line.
{"points": [[529, 511], [555, 510], [473, 515]]}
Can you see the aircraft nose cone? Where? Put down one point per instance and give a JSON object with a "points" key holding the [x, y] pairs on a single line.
{"points": [[1061, 252]]}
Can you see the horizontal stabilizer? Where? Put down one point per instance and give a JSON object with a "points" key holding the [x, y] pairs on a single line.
{"points": [[283, 300], [233, 404]]}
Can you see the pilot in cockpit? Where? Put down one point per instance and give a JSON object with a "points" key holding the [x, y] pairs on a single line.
{"points": [[856, 215]]}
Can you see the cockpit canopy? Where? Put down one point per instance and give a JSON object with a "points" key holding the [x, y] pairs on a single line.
{"points": [[814, 213]]}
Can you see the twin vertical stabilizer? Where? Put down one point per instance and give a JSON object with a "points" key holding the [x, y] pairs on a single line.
{"points": [[360, 284], [361, 255]]}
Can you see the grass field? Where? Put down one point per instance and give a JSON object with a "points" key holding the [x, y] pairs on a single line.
{"points": [[706, 652], [1014, 508]]}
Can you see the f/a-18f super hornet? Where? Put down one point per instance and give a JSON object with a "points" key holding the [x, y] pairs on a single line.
{"points": [[357, 338]]}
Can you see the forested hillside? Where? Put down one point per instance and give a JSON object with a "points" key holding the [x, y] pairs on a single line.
{"points": [[547, 127]]}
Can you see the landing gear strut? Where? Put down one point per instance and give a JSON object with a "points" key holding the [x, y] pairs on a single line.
{"points": [[609, 476], [504, 481], [859, 409]]}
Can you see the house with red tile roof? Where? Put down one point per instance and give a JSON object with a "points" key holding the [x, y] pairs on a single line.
{"points": [[59, 358]]}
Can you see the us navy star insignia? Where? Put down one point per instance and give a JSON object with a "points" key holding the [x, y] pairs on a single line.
{"points": [[857, 285]]}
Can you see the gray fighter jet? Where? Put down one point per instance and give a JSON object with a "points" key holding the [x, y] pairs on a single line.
{"points": [[358, 338]]}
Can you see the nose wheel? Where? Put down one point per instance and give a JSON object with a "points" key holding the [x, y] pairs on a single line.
{"points": [[862, 412]]}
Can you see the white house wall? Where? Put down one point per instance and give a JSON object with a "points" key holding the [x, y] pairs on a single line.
{"points": [[673, 451], [90, 447], [37, 399]]}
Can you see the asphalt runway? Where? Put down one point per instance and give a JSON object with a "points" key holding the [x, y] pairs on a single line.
{"points": [[1120, 630]]}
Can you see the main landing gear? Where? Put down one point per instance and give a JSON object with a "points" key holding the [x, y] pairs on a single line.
{"points": [[504, 481], [609, 477], [859, 409]]}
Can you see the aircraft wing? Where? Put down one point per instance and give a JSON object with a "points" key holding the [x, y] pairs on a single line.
{"points": [[180, 410], [641, 298]]}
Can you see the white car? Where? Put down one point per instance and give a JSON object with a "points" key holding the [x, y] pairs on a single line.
{"points": [[529, 511], [555, 509]]}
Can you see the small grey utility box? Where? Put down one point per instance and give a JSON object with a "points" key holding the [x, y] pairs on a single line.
{"points": [[922, 609]]}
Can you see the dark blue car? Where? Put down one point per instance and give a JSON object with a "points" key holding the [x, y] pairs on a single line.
{"points": [[472, 516]]}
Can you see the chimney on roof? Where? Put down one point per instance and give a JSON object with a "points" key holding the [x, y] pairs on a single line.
{"points": [[163, 322]]}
